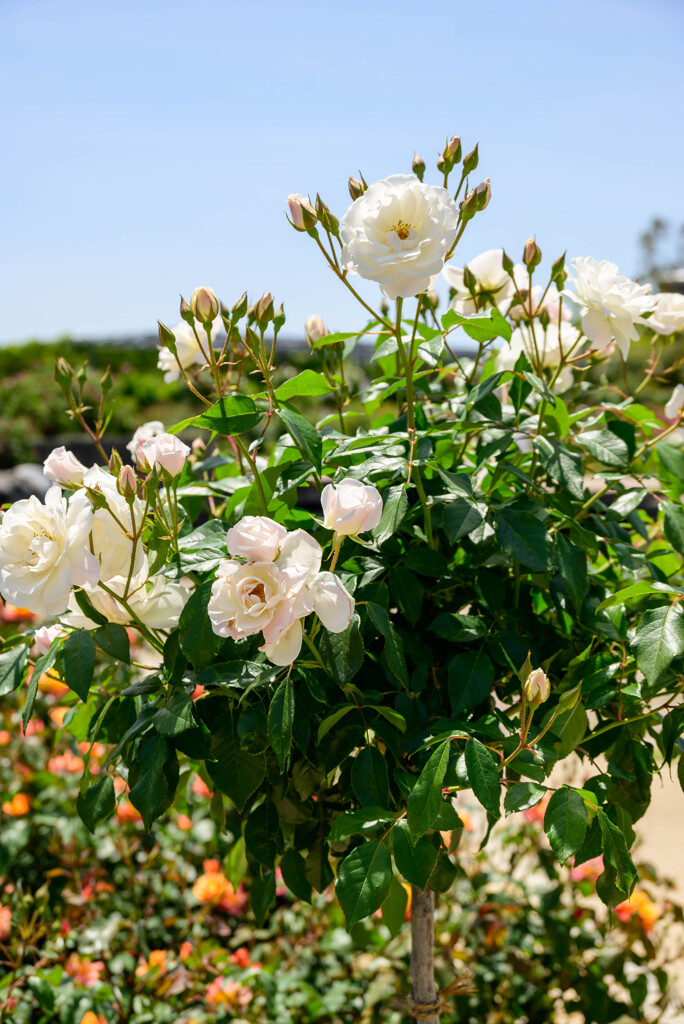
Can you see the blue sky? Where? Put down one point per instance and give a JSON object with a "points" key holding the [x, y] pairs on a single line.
{"points": [[149, 145]]}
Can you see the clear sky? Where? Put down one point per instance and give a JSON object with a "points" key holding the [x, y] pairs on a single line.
{"points": [[149, 145]]}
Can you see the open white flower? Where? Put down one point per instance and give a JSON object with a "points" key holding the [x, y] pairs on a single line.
{"points": [[256, 538], [271, 597], [351, 507], [44, 551], [113, 526], [668, 317], [610, 303], [62, 467], [144, 433], [543, 349], [493, 288], [398, 233], [163, 452], [675, 403], [187, 347]]}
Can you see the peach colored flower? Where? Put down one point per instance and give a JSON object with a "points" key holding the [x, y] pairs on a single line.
{"points": [[34, 727], [5, 737], [199, 787], [19, 805], [184, 822], [66, 763], [156, 963], [57, 716], [639, 905], [228, 993], [50, 683], [93, 1018], [125, 811], [537, 812], [587, 872], [10, 613], [198, 691], [5, 920], [185, 950], [84, 972]]}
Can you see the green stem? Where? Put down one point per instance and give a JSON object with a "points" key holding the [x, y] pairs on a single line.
{"points": [[257, 479]]}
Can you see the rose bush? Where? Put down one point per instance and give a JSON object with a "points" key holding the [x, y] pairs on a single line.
{"points": [[489, 583]]}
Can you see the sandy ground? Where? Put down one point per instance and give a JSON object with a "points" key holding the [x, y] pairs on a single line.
{"points": [[661, 830]]}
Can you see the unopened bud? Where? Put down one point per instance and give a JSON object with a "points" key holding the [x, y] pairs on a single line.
{"points": [[531, 254], [329, 222], [384, 307], [537, 687], [279, 318], [167, 339], [64, 373], [484, 194], [186, 312], [106, 382], [239, 309], [430, 299], [471, 161], [204, 305], [468, 206], [356, 188], [558, 271], [127, 483], [264, 309], [418, 166], [82, 374], [198, 445], [115, 464], [302, 213], [469, 279], [507, 263], [314, 330], [251, 313]]}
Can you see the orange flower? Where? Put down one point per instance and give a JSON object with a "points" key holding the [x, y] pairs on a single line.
{"points": [[19, 805], [92, 1018], [5, 737], [537, 812], [199, 787], [185, 951], [240, 957], [184, 822], [198, 691], [589, 871], [5, 921], [156, 963], [125, 811], [10, 613], [228, 993], [640, 906], [50, 682], [84, 972], [211, 888], [57, 716], [35, 726], [66, 763]]}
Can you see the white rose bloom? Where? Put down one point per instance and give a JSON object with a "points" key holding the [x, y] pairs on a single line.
{"points": [[187, 347], [610, 303], [144, 433], [494, 287], [351, 507], [155, 601], [669, 314], [45, 637], [398, 233], [62, 467], [675, 403], [44, 551], [256, 538], [163, 452], [552, 345], [112, 525], [272, 597]]}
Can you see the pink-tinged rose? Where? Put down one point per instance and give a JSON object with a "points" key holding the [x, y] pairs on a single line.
{"points": [[204, 304], [537, 687], [142, 434], [302, 213], [45, 637], [333, 605], [256, 538], [163, 452], [351, 507], [62, 467]]}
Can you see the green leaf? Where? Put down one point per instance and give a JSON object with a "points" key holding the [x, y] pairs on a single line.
{"points": [[263, 895], [523, 795], [370, 778], [605, 446], [360, 822], [425, 798], [394, 509], [235, 772], [280, 720], [231, 415], [342, 653], [415, 862], [43, 991], [78, 662], [636, 590], [12, 665], [175, 716], [235, 863], [524, 537], [332, 720], [572, 565], [197, 639], [407, 591], [149, 789], [88, 609], [293, 868], [394, 647], [97, 804], [658, 640], [471, 675], [616, 854], [363, 881], [565, 823], [308, 382], [113, 639], [261, 830], [483, 776], [480, 326], [306, 437], [394, 908], [334, 339], [461, 516], [674, 526]]}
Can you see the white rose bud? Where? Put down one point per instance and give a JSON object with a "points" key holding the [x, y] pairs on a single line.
{"points": [[45, 636], [537, 688], [204, 304], [164, 452], [333, 605], [62, 467], [302, 213], [352, 507], [676, 403], [256, 538], [314, 329]]}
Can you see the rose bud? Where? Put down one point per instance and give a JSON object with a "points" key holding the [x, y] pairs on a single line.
{"points": [[351, 507], [484, 194], [471, 161], [44, 637], [418, 167], [264, 309], [256, 538], [127, 483], [314, 329], [165, 452], [537, 688], [302, 214], [356, 188], [204, 305], [62, 467], [239, 309], [531, 254]]}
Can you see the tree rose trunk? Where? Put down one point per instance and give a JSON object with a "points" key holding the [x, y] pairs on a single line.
{"points": [[425, 1006]]}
